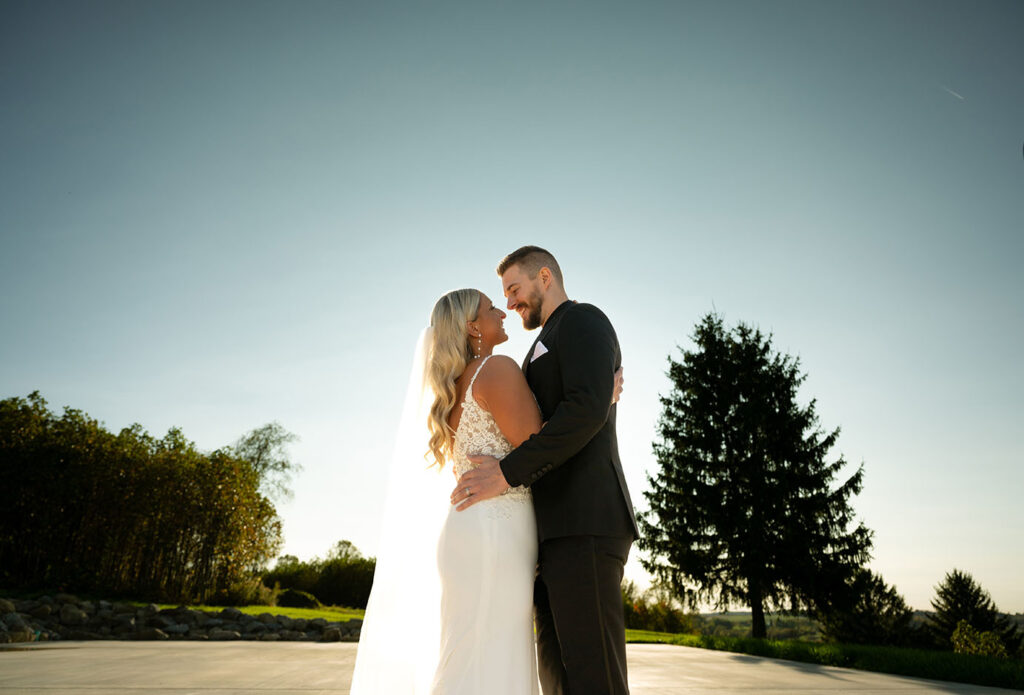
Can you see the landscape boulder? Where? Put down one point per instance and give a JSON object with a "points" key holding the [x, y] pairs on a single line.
{"points": [[63, 616], [72, 615]]}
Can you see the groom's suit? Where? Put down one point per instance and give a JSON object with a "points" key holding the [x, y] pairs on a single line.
{"points": [[585, 520]]}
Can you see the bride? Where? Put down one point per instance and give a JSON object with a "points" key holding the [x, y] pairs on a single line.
{"points": [[451, 610]]}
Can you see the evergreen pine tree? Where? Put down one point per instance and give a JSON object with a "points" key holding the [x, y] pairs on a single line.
{"points": [[742, 509]]}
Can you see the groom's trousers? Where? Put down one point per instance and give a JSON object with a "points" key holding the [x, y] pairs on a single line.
{"points": [[581, 632]]}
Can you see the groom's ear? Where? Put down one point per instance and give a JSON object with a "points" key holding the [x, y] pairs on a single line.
{"points": [[545, 276]]}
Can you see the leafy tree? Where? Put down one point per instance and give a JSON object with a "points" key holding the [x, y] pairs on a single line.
{"points": [[960, 598], [345, 551], [868, 612], [742, 509], [265, 448]]}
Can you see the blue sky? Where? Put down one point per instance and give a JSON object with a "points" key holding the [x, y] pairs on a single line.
{"points": [[215, 215]]}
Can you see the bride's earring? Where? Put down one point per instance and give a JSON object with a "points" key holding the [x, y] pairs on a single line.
{"points": [[479, 346]]}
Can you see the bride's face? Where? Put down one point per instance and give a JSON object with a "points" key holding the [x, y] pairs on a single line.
{"points": [[490, 322]]}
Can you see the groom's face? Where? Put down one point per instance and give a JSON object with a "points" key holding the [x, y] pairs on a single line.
{"points": [[525, 295]]}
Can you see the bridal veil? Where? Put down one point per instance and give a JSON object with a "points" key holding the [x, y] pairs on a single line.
{"points": [[399, 641]]}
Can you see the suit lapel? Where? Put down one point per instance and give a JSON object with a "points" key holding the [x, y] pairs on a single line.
{"points": [[529, 354], [549, 326]]}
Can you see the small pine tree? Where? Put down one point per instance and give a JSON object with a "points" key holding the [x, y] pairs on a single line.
{"points": [[960, 598], [869, 612], [742, 508]]}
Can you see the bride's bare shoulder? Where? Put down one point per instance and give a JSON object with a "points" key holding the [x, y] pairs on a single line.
{"points": [[501, 367], [502, 390], [500, 372]]}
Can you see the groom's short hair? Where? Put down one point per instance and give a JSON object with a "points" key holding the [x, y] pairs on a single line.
{"points": [[531, 259]]}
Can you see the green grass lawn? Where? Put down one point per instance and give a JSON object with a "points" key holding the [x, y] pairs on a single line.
{"points": [[329, 613], [917, 663]]}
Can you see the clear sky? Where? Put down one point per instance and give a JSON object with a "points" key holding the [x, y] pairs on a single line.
{"points": [[218, 214]]}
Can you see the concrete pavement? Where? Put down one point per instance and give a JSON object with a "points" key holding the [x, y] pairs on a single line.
{"points": [[294, 668]]}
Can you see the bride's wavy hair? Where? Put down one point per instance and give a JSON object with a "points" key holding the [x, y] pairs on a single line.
{"points": [[450, 352]]}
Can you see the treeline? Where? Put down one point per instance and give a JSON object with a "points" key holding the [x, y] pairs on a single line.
{"points": [[963, 619], [127, 514], [343, 578]]}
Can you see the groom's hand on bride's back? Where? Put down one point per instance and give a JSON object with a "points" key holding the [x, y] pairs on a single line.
{"points": [[480, 483], [617, 391]]}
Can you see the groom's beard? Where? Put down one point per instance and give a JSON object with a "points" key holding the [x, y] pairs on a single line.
{"points": [[532, 318]]}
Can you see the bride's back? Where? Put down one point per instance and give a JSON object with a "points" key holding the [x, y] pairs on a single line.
{"points": [[476, 431], [461, 387]]}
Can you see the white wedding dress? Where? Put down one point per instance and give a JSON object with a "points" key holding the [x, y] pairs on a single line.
{"points": [[486, 557]]}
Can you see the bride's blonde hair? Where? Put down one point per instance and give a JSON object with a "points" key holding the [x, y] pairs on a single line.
{"points": [[450, 352]]}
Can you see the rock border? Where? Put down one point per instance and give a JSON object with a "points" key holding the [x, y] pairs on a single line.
{"points": [[65, 617]]}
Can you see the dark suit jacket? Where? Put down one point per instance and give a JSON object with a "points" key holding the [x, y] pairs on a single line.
{"points": [[572, 465]]}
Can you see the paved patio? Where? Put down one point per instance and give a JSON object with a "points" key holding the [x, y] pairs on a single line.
{"points": [[290, 668]]}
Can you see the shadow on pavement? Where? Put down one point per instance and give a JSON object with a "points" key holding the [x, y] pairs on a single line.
{"points": [[834, 673]]}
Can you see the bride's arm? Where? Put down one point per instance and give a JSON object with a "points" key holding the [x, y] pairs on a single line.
{"points": [[501, 389]]}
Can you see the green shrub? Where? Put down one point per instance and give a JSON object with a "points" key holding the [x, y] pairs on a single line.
{"points": [[245, 592], [652, 610], [293, 598], [967, 640]]}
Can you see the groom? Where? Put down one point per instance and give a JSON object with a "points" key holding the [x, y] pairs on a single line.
{"points": [[585, 519]]}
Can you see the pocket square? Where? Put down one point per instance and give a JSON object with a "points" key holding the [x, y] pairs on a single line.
{"points": [[538, 351]]}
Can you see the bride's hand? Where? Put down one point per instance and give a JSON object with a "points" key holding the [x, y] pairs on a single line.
{"points": [[480, 483]]}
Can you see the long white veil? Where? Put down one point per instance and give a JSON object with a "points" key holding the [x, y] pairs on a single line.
{"points": [[400, 639]]}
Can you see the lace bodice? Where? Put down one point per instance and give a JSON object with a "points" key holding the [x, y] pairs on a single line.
{"points": [[478, 433]]}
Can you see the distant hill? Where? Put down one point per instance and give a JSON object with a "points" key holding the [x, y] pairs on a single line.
{"points": [[1016, 618]]}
